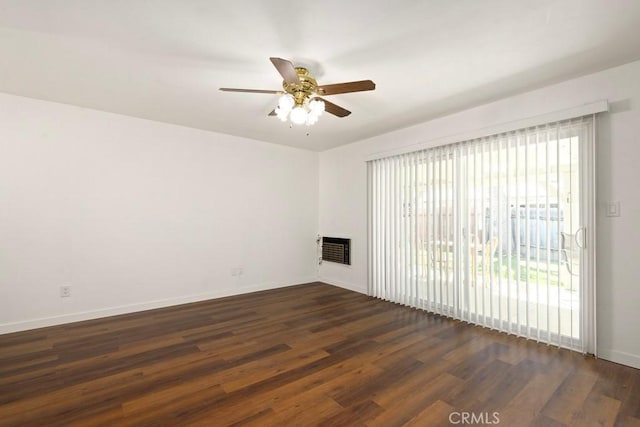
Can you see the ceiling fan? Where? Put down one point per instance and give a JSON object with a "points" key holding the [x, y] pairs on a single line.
{"points": [[300, 99]]}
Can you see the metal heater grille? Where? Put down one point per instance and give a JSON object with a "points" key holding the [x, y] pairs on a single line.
{"points": [[335, 249]]}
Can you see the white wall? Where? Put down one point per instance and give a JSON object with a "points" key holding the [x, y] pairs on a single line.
{"points": [[343, 191], [134, 214]]}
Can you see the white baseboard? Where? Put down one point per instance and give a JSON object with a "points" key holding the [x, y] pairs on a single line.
{"points": [[344, 285], [620, 357], [43, 322]]}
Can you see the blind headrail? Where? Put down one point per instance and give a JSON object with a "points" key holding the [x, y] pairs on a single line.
{"points": [[556, 116]]}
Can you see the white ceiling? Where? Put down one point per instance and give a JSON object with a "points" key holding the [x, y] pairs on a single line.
{"points": [[164, 60]]}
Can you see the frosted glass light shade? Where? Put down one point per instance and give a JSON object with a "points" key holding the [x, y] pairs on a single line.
{"points": [[311, 119], [286, 102], [298, 115], [316, 106]]}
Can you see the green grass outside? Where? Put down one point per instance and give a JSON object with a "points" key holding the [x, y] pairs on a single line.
{"points": [[507, 267], [543, 273]]}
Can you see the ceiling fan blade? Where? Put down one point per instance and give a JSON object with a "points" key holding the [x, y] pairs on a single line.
{"points": [[230, 89], [358, 86], [286, 70], [334, 109]]}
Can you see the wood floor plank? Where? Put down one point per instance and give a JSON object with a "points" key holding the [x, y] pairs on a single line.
{"points": [[251, 373], [402, 411], [299, 414], [596, 410], [484, 384], [507, 384], [153, 399], [422, 380], [357, 414], [311, 354], [626, 421], [437, 414], [569, 397], [528, 403]]}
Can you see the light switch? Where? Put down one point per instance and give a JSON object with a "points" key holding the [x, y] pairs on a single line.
{"points": [[613, 208]]}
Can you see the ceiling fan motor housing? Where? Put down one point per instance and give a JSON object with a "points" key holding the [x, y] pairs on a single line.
{"points": [[304, 89]]}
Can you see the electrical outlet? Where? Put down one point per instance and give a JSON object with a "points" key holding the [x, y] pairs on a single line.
{"points": [[65, 291]]}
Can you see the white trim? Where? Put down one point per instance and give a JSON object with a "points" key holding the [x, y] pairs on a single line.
{"points": [[592, 241], [621, 357], [43, 322], [556, 116], [344, 285]]}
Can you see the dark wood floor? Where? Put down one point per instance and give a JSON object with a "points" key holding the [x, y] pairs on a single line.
{"points": [[303, 355]]}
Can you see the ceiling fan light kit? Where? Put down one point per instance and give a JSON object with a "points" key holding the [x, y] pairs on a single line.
{"points": [[300, 102], [306, 112]]}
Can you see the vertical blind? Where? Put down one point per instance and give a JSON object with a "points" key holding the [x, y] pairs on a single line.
{"points": [[487, 231]]}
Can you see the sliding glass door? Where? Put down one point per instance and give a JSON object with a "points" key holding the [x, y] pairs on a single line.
{"points": [[490, 231]]}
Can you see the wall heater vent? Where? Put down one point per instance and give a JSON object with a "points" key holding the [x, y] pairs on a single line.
{"points": [[335, 249]]}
